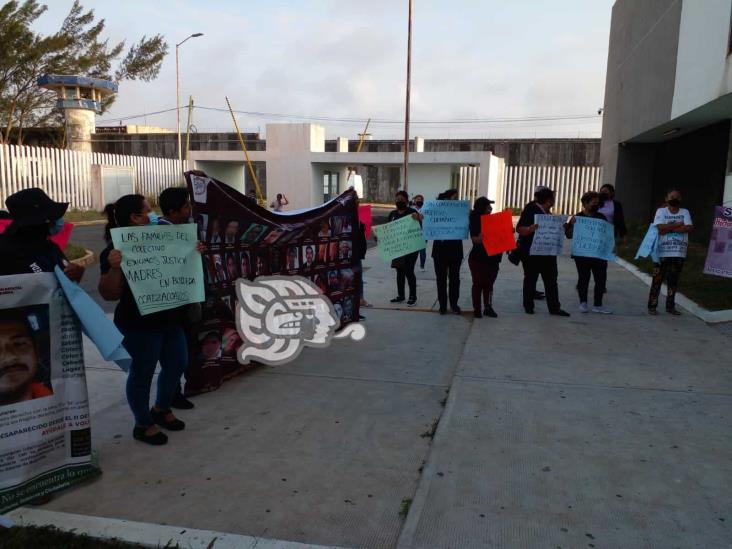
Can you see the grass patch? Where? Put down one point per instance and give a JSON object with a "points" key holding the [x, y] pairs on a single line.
{"points": [[74, 251], [404, 507], [44, 537], [74, 215], [711, 292]]}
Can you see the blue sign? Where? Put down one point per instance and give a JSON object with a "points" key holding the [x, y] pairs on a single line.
{"points": [[445, 219], [649, 246], [593, 238]]}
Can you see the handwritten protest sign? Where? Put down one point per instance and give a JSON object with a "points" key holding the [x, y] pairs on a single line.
{"points": [[593, 238], [549, 237], [719, 255], [649, 245], [398, 238], [497, 231], [161, 265], [61, 239], [364, 216], [445, 219]]}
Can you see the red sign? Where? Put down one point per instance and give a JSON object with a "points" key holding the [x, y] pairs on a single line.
{"points": [[61, 239], [364, 216], [497, 231]]}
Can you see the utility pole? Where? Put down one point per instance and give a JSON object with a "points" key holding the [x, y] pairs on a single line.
{"points": [[409, 86]]}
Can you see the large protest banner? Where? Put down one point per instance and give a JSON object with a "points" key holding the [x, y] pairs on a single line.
{"points": [[245, 240], [497, 231], [445, 219], [45, 435], [593, 238], [549, 237], [719, 254], [161, 265], [364, 216], [399, 238]]}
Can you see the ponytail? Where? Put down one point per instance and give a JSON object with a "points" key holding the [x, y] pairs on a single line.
{"points": [[118, 214]]}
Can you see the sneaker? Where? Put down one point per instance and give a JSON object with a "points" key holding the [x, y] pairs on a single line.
{"points": [[489, 312], [158, 439], [456, 310], [674, 312], [652, 312], [602, 310], [398, 299], [412, 301], [181, 403], [160, 417], [477, 314], [560, 312], [584, 308]]}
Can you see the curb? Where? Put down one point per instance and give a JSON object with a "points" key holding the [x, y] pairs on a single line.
{"points": [[86, 260], [88, 223], [698, 311]]}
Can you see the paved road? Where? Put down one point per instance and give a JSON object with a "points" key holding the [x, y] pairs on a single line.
{"points": [[92, 238]]}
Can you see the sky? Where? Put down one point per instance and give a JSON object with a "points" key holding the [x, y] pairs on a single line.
{"points": [[346, 59]]}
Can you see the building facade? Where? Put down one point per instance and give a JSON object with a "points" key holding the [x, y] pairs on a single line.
{"points": [[668, 105]]}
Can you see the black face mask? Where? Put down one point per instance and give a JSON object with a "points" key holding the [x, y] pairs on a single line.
{"points": [[400, 204], [594, 208], [674, 202], [604, 197], [419, 203]]}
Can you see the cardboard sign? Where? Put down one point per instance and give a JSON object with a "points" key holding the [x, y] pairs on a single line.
{"points": [[549, 237], [364, 216], [719, 255], [445, 219], [399, 238], [497, 231], [161, 265], [593, 238]]}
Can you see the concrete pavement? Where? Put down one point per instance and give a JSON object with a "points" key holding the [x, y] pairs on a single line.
{"points": [[589, 431]]}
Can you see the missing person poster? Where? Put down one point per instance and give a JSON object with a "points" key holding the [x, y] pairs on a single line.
{"points": [[549, 237], [244, 240], [719, 255], [45, 435]]}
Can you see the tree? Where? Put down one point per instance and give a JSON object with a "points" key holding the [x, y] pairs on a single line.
{"points": [[78, 47]]}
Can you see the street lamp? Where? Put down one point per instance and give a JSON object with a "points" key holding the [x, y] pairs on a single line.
{"points": [[177, 95]]}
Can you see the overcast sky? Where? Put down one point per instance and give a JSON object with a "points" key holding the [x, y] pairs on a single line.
{"points": [[482, 59]]}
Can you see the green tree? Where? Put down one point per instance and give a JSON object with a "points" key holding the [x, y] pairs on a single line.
{"points": [[78, 47]]}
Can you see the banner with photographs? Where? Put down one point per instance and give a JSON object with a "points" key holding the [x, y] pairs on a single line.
{"points": [[45, 435], [719, 254], [245, 240]]}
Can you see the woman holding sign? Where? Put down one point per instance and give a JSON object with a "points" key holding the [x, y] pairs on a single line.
{"points": [[589, 266], [148, 339], [447, 256], [405, 265], [483, 267], [674, 224]]}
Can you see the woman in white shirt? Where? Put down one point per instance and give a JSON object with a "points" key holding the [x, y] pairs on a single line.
{"points": [[674, 224]]}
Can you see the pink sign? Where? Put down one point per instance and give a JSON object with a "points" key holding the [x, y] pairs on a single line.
{"points": [[61, 239], [364, 216]]}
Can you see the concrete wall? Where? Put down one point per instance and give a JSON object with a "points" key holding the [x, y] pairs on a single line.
{"points": [[429, 180], [231, 173], [703, 70], [641, 73]]}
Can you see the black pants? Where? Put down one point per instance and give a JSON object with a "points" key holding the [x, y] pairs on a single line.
{"points": [[546, 266], [445, 269], [597, 268], [405, 272]]}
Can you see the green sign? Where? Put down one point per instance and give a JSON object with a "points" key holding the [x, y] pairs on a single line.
{"points": [[398, 238], [161, 265]]}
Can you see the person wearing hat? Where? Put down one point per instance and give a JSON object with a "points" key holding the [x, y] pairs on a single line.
{"points": [[24, 246], [483, 267], [535, 265], [447, 256]]}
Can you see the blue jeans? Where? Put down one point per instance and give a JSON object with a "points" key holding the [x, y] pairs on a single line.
{"points": [[422, 257], [146, 348]]}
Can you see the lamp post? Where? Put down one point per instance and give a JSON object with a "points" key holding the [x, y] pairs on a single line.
{"points": [[177, 95]]}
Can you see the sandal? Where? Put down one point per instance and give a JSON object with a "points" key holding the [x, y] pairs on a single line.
{"points": [[159, 417], [158, 439]]}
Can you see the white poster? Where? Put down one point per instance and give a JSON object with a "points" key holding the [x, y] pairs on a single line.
{"points": [[45, 435], [549, 237]]}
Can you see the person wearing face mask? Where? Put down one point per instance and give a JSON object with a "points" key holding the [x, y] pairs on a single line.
{"points": [[149, 339], [535, 265], [24, 246], [589, 266], [613, 212], [417, 204], [483, 267], [674, 225], [447, 255], [405, 265]]}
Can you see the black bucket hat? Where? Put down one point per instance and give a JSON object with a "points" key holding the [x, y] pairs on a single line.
{"points": [[31, 207]]}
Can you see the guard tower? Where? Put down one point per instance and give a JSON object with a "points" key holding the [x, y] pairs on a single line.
{"points": [[80, 98]]}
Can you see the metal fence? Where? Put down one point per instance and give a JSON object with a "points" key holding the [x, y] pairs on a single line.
{"points": [[569, 183], [66, 175]]}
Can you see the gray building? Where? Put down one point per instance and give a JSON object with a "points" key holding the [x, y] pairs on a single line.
{"points": [[668, 105]]}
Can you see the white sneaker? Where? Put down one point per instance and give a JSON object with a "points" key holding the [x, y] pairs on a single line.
{"points": [[602, 310], [584, 308]]}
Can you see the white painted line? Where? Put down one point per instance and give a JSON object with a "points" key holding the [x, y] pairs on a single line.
{"points": [[685, 302], [152, 535]]}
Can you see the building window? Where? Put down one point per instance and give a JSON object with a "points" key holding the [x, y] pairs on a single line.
{"points": [[330, 185]]}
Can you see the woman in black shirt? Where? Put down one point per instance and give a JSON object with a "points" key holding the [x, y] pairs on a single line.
{"points": [[589, 266], [447, 256], [483, 267], [405, 265]]}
